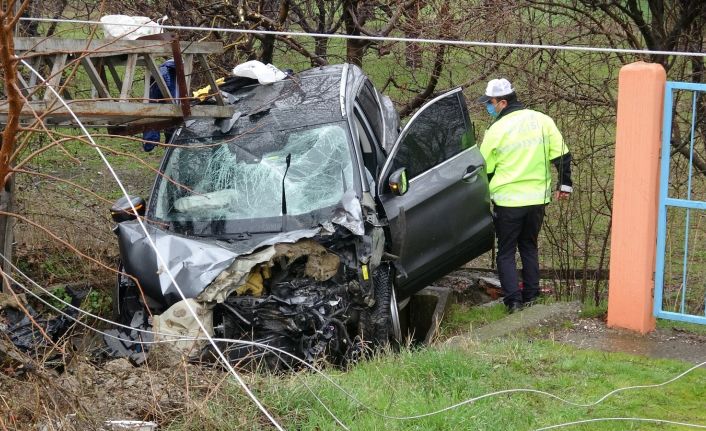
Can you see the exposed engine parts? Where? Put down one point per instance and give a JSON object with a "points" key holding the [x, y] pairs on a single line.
{"points": [[305, 308]]}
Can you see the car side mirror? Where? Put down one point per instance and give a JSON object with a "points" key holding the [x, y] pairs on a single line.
{"points": [[122, 210], [398, 181]]}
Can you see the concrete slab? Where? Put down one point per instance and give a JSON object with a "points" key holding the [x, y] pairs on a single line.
{"points": [[539, 314], [421, 317]]}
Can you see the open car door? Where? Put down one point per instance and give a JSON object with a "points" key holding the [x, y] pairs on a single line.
{"points": [[434, 190]]}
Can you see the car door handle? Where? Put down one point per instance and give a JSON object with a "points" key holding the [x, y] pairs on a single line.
{"points": [[471, 172]]}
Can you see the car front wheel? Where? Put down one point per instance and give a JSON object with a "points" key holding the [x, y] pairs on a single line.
{"points": [[384, 318]]}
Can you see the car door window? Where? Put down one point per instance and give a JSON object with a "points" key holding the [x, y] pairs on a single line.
{"points": [[369, 147], [369, 104], [435, 134]]}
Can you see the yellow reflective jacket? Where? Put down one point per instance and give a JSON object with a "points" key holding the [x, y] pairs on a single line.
{"points": [[518, 148]]}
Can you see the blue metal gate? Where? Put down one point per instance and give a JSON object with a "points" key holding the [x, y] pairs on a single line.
{"points": [[680, 274]]}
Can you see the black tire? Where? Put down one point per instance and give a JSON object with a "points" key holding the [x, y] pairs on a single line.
{"points": [[381, 320]]}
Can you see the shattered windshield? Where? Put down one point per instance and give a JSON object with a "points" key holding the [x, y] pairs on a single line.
{"points": [[235, 178]]}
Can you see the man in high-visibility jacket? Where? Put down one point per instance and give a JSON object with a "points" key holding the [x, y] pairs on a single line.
{"points": [[518, 148]]}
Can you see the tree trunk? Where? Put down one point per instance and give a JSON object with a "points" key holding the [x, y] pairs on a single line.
{"points": [[321, 43], [355, 49], [268, 48], [413, 52], [354, 53], [8, 61], [320, 49], [7, 204]]}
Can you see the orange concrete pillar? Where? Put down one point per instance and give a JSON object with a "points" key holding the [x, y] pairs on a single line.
{"points": [[635, 196]]}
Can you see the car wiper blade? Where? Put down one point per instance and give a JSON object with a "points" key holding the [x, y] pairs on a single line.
{"points": [[288, 161]]}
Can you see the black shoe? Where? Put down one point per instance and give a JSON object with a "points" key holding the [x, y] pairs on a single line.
{"points": [[514, 307], [528, 302]]}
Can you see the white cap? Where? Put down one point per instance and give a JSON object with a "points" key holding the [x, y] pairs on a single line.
{"points": [[496, 88]]}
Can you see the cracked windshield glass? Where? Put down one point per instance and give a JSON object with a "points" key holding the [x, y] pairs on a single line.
{"points": [[231, 178]]}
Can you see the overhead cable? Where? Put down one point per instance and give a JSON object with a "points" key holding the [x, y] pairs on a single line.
{"points": [[452, 42]]}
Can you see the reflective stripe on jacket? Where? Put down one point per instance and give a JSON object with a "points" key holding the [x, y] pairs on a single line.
{"points": [[518, 149]]}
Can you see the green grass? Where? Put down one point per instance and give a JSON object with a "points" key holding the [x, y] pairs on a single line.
{"points": [[592, 311], [97, 301], [462, 318], [414, 382], [86, 153], [681, 326], [87, 169]]}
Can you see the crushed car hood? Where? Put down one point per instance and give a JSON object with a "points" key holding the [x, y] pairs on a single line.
{"points": [[196, 262]]}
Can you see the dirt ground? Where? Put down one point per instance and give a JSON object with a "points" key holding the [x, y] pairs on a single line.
{"points": [[84, 395], [672, 343]]}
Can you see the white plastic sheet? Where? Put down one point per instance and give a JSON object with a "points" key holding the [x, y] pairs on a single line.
{"points": [[264, 73], [130, 27]]}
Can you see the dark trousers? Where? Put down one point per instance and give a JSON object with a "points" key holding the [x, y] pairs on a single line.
{"points": [[518, 228]]}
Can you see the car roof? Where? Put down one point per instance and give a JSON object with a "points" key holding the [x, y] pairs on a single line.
{"points": [[317, 91], [320, 95]]}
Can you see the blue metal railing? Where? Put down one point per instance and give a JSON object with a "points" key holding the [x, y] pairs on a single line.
{"points": [[682, 311]]}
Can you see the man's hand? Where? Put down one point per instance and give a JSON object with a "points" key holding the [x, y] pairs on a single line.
{"points": [[561, 196]]}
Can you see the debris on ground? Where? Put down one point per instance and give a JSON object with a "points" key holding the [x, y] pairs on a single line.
{"points": [[491, 286], [468, 286], [124, 425], [32, 332], [124, 343]]}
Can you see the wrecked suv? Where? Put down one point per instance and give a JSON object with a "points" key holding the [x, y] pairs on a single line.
{"points": [[304, 219]]}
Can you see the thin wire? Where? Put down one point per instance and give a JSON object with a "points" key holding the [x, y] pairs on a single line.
{"points": [[175, 338], [321, 402], [389, 38], [162, 263], [659, 421]]}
